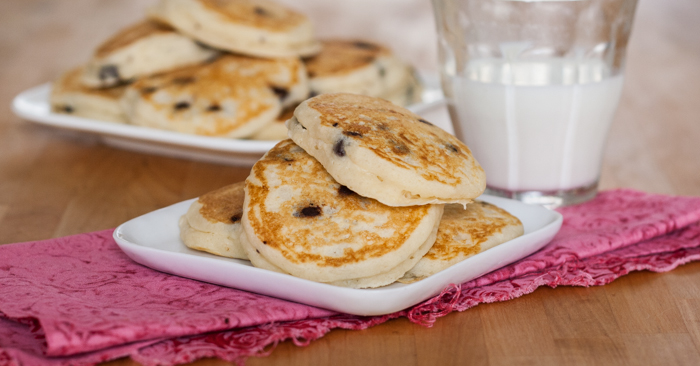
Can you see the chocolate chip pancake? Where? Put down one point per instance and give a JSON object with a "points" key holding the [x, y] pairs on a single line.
{"points": [[232, 96], [385, 152], [410, 91], [251, 27], [297, 219], [463, 233], [213, 222], [70, 96], [142, 49], [361, 67], [277, 129]]}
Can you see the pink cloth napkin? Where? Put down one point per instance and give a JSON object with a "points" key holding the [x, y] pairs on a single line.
{"points": [[79, 300]]}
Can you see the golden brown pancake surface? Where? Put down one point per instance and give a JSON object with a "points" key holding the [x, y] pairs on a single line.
{"points": [[229, 91], [256, 13], [70, 96], [298, 210], [480, 220], [339, 57], [224, 204], [130, 35], [394, 134], [70, 82]]}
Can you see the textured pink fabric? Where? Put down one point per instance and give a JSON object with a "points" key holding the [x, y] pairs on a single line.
{"points": [[87, 294], [80, 300]]}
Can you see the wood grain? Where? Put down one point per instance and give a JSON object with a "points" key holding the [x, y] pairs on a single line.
{"points": [[55, 183]]}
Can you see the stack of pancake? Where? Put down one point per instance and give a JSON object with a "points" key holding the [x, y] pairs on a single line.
{"points": [[225, 68], [364, 194]]}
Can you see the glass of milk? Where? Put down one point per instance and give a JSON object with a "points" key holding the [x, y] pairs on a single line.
{"points": [[532, 87]]}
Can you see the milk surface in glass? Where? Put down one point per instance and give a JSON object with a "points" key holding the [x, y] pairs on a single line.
{"points": [[535, 125]]}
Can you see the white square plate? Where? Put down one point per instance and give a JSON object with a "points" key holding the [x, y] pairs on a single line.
{"points": [[33, 105], [154, 241]]}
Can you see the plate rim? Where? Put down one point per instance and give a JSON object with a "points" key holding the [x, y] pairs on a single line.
{"points": [[24, 106], [33, 105], [352, 301]]}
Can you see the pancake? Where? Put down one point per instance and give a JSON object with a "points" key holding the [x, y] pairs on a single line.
{"points": [[142, 49], [232, 96], [70, 96], [298, 220], [251, 27], [213, 222], [385, 152], [407, 93], [277, 130], [359, 67], [464, 233]]}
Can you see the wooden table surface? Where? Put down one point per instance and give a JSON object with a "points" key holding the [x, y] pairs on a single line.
{"points": [[54, 183]]}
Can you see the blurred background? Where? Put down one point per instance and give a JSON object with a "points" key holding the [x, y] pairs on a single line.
{"points": [[65, 32], [654, 133]]}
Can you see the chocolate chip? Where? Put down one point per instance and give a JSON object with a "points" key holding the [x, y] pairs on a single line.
{"points": [[452, 148], [339, 148], [280, 92], [264, 242], [399, 148], [148, 89], [235, 218], [203, 45], [344, 191], [260, 11], [257, 251], [184, 80], [214, 108], [181, 105], [424, 121], [351, 133], [365, 45], [108, 72], [310, 211], [67, 109]]}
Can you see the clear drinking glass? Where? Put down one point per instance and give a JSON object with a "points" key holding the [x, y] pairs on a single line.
{"points": [[532, 87]]}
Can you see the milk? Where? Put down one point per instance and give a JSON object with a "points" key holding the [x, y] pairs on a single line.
{"points": [[535, 125]]}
